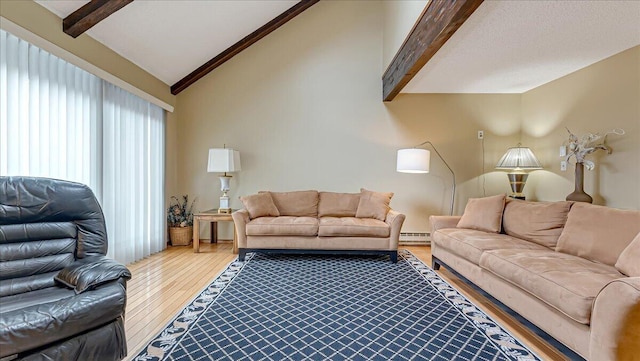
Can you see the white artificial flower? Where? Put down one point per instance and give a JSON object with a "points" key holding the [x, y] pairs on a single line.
{"points": [[587, 144]]}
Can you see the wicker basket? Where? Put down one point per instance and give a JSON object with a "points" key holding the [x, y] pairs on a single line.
{"points": [[180, 236]]}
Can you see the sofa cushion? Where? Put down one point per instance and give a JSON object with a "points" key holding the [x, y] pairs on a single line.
{"points": [[352, 227], [483, 214], [373, 204], [260, 205], [470, 244], [283, 226], [333, 204], [540, 222], [629, 260], [565, 282], [598, 233], [297, 204]]}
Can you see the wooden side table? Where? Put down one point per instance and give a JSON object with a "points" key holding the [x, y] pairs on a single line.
{"points": [[212, 216]]}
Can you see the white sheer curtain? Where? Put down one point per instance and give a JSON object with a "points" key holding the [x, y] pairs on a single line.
{"points": [[59, 121], [133, 152], [50, 112]]}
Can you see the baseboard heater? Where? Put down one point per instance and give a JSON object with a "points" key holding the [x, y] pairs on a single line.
{"points": [[417, 238]]}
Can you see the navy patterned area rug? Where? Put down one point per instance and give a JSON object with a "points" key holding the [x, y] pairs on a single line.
{"points": [[303, 307]]}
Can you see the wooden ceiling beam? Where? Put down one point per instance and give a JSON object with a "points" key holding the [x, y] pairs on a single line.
{"points": [[90, 14], [437, 23], [244, 43]]}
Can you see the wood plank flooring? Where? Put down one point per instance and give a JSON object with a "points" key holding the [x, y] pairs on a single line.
{"points": [[165, 282]]}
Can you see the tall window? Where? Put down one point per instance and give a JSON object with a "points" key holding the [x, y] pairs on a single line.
{"points": [[59, 121]]}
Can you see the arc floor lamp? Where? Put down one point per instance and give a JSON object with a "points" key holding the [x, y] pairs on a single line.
{"points": [[417, 160]]}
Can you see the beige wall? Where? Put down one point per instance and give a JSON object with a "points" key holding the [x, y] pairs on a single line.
{"points": [[303, 106], [45, 24], [399, 19], [596, 99], [451, 122]]}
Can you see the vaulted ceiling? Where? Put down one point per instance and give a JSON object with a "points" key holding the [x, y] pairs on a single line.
{"points": [[170, 39], [512, 46], [507, 46]]}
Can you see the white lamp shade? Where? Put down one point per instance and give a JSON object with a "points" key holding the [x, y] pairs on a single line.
{"points": [[413, 160], [519, 157], [223, 160]]}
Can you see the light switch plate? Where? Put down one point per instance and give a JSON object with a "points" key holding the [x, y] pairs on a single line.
{"points": [[563, 151]]}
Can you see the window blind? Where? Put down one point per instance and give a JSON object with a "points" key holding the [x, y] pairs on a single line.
{"points": [[59, 121]]}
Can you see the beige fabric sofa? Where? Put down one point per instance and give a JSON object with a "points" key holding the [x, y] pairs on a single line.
{"points": [[318, 222], [571, 269]]}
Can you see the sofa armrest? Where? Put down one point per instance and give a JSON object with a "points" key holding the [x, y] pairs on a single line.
{"points": [[88, 273], [440, 222], [611, 311], [394, 220], [240, 219]]}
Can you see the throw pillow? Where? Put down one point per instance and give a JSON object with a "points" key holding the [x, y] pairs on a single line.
{"points": [[260, 205], [629, 260], [296, 203], [483, 214], [539, 222], [338, 204], [373, 205], [598, 233]]}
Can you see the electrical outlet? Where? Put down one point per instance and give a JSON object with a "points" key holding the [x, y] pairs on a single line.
{"points": [[480, 134], [563, 166]]}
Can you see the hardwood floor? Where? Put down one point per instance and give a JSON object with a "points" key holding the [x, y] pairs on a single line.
{"points": [[165, 282]]}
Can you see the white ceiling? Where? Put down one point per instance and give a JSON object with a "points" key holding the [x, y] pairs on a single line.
{"points": [[506, 46], [514, 46], [172, 38]]}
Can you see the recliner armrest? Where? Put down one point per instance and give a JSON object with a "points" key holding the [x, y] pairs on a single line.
{"points": [[88, 273]]}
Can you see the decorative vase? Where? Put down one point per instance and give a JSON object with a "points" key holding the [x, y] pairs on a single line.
{"points": [[579, 194], [180, 236]]}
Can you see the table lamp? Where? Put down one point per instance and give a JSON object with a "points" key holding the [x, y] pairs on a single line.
{"points": [[228, 161], [518, 159]]}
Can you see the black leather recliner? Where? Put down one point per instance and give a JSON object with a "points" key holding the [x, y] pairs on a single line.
{"points": [[60, 297]]}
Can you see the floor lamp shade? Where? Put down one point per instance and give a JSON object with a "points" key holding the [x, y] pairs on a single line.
{"points": [[224, 160], [413, 160], [418, 160]]}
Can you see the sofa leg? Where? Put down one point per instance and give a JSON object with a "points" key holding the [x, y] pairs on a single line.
{"points": [[394, 257], [435, 264], [241, 254]]}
